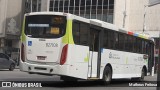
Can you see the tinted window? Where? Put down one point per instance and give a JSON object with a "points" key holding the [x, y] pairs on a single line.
{"points": [[111, 40], [45, 26], [144, 47], [1, 55], [116, 40], [80, 33], [126, 43], [76, 32], [83, 33], [139, 45], [134, 45], [130, 43], [4, 56], [105, 39], [121, 42]]}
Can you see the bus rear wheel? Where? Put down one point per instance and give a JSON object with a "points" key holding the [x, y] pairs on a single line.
{"points": [[140, 78], [107, 75]]}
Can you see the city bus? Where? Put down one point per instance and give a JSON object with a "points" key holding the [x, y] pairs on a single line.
{"points": [[73, 47]]}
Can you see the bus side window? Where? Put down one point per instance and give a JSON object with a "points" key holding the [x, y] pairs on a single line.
{"points": [[105, 39], [126, 43], [76, 32], [144, 47], [139, 45], [84, 34], [147, 47], [121, 42], [80, 33], [111, 39], [134, 45], [130, 41], [116, 40]]}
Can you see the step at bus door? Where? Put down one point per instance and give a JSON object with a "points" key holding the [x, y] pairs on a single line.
{"points": [[94, 59]]}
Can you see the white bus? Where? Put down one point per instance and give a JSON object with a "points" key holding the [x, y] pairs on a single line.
{"points": [[73, 47]]}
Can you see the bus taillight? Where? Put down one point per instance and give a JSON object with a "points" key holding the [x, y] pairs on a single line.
{"points": [[22, 53], [64, 55]]}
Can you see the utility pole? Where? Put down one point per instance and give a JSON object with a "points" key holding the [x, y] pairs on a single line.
{"points": [[124, 15], [144, 21]]}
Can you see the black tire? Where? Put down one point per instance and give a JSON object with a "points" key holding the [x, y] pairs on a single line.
{"points": [[142, 75], [12, 67], [107, 75]]}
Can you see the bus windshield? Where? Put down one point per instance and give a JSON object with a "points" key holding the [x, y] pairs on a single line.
{"points": [[45, 26]]}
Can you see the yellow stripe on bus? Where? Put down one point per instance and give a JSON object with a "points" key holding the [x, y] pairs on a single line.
{"points": [[86, 59], [23, 38], [68, 37], [127, 60]]}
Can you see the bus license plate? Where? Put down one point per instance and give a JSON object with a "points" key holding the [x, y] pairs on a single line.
{"points": [[41, 57]]}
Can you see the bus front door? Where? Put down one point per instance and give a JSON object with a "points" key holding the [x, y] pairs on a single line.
{"points": [[150, 56], [94, 59]]}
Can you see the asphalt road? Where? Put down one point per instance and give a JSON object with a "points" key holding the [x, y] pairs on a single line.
{"points": [[54, 82]]}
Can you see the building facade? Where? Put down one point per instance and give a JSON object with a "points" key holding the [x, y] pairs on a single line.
{"points": [[11, 15], [94, 9], [141, 16]]}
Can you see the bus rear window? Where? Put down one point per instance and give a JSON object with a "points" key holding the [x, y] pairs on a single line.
{"points": [[45, 26]]}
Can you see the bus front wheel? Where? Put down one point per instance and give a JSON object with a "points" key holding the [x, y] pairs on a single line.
{"points": [[107, 75]]}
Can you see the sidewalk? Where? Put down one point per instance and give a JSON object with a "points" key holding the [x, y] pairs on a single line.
{"points": [[151, 78]]}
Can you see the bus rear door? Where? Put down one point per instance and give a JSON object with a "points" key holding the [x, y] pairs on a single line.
{"points": [[94, 59]]}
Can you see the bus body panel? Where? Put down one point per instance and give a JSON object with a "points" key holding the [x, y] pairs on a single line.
{"points": [[92, 68], [57, 69], [74, 66], [124, 64], [43, 50], [78, 61]]}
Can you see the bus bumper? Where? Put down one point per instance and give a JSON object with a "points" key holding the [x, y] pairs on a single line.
{"points": [[44, 69]]}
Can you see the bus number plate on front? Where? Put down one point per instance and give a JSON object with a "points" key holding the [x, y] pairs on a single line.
{"points": [[41, 57]]}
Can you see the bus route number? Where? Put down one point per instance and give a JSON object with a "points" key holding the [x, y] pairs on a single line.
{"points": [[51, 45]]}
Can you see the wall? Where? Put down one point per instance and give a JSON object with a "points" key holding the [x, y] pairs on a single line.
{"points": [[3, 7], [135, 21], [14, 17], [122, 7], [11, 16], [153, 20]]}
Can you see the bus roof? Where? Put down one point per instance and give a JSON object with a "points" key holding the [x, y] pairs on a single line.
{"points": [[45, 13], [69, 16], [115, 28]]}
